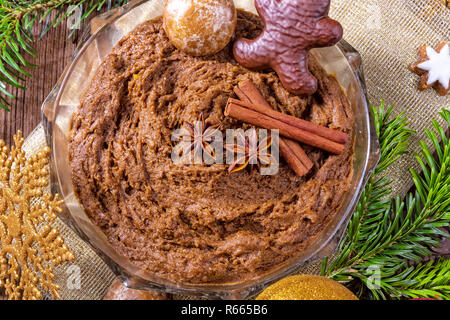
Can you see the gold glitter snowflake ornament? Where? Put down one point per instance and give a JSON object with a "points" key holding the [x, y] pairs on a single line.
{"points": [[29, 246]]}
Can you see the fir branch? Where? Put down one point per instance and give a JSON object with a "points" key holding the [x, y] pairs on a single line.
{"points": [[386, 232], [430, 280], [17, 19]]}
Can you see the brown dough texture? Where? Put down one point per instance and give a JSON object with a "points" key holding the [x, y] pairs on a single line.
{"points": [[197, 223]]}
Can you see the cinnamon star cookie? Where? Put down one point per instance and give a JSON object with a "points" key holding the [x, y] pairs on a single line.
{"points": [[433, 68]]}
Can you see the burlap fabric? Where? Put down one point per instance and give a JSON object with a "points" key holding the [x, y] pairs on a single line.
{"points": [[387, 34]]}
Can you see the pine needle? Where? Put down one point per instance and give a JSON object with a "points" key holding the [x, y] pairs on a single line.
{"points": [[387, 233], [17, 19]]}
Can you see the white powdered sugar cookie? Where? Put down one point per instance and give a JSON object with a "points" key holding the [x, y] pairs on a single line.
{"points": [[433, 68], [438, 66]]}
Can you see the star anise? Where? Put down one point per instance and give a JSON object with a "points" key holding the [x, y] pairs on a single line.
{"points": [[249, 151], [195, 141]]}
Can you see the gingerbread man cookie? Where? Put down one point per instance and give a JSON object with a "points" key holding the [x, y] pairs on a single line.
{"points": [[291, 28], [433, 68]]}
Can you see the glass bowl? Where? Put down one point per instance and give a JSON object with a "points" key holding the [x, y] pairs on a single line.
{"points": [[104, 32]]}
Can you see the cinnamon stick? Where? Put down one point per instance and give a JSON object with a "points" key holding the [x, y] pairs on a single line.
{"points": [[258, 115], [261, 106], [295, 157], [290, 150]]}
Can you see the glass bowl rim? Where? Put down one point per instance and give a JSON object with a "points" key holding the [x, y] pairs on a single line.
{"points": [[226, 289]]}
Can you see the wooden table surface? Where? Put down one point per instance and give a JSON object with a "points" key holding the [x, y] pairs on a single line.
{"points": [[54, 52]]}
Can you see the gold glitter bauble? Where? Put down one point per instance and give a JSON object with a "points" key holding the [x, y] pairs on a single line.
{"points": [[200, 27], [306, 287]]}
